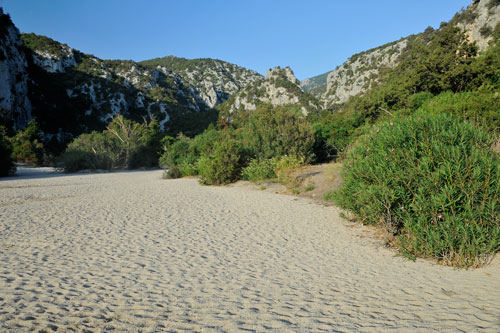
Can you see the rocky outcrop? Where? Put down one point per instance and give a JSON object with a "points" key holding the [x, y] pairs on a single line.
{"points": [[280, 87], [14, 103]]}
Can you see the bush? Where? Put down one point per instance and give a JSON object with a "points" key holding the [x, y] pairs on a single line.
{"points": [[258, 170], [143, 157], [123, 144], [27, 145], [223, 166], [187, 169], [75, 160], [271, 132], [7, 166], [480, 107], [284, 166], [433, 181], [93, 151], [172, 173]]}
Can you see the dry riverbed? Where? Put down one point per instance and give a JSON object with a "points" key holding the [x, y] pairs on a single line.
{"points": [[130, 251]]}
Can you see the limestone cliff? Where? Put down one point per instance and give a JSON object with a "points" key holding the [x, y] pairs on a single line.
{"points": [[14, 103]]}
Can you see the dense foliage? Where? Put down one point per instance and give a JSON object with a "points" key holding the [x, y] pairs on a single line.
{"points": [[432, 180], [255, 139]]}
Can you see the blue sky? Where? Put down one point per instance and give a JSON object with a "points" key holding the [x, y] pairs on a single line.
{"points": [[312, 37]]}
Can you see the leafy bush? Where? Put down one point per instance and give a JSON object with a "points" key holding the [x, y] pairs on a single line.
{"points": [[7, 166], [93, 151], [284, 165], [172, 173], [258, 170], [75, 160], [184, 152], [27, 145], [223, 166], [143, 157], [433, 181], [271, 132]]}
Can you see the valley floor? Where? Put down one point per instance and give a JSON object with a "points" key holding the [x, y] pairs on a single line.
{"points": [[130, 251]]}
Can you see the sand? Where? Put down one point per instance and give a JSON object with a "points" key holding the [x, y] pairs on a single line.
{"points": [[132, 252]]}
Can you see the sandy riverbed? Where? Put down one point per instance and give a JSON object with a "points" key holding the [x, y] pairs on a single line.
{"points": [[129, 251]]}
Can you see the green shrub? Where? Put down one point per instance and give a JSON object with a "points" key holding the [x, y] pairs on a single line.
{"points": [[284, 165], [309, 188], [271, 132], [172, 173], [143, 157], [187, 169], [433, 181], [258, 170], [223, 166], [123, 144], [184, 152], [27, 145], [7, 166], [93, 151], [75, 160], [177, 152]]}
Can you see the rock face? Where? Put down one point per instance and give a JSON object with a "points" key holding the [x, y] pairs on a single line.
{"points": [[214, 81], [361, 71], [14, 103], [479, 21], [280, 87], [55, 63]]}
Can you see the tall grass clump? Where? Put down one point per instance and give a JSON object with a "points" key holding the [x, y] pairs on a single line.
{"points": [[433, 181]]}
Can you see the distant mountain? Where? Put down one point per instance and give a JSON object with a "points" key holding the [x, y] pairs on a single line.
{"points": [[315, 85], [280, 87]]}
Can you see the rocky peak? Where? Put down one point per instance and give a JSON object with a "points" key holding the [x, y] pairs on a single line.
{"points": [[281, 73], [280, 87]]}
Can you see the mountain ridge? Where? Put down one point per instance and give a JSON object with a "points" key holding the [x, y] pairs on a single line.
{"points": [[362, 71]]}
